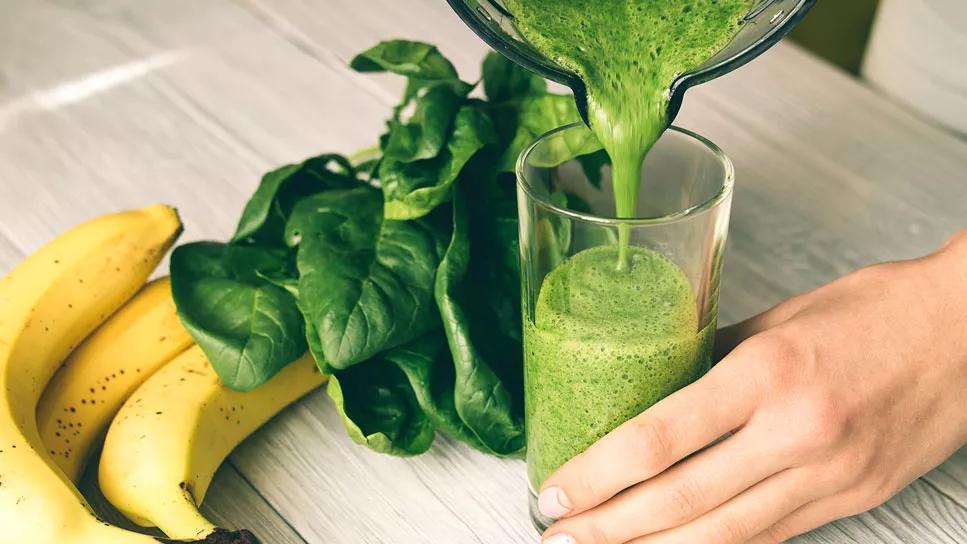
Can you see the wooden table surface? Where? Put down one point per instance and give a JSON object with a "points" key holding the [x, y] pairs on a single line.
{"points": [[110, 104]]}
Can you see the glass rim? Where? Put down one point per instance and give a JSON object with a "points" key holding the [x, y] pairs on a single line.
{"points": [[721, 195]]}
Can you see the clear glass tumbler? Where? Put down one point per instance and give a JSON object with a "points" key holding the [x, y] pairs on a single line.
{"points": [[606, 337]]}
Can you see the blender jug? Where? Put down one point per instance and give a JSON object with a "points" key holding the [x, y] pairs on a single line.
{"points": [[765, 24]]}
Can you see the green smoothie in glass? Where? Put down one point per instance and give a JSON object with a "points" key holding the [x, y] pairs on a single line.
{"points": [[616, 328], [606, 345]]}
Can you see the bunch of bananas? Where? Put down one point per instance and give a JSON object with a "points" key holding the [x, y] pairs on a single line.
{"points": [[86, 347]]}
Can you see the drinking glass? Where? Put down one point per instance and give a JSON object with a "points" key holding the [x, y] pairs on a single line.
{"points": [[586, 374]]}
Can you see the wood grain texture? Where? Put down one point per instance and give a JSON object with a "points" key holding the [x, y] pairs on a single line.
{"points": [[950, 478], [915, 58], [333, 490], [899, 520], [815, 199], [232, 502], [9, 253], [114, 104]]}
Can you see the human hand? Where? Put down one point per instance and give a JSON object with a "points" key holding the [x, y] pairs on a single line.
{"points": [[836, 399]]}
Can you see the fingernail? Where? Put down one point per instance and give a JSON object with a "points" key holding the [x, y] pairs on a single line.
{"points": [[553, 503], [560, 538]]}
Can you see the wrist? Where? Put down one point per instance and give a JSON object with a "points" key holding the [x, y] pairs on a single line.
{"points": [[955, 246], [941, 278], [946, 270], [944, 274], [952, 265], [946, 267]]}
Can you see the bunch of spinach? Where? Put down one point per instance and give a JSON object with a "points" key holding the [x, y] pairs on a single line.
{"points": [[399, 275]]}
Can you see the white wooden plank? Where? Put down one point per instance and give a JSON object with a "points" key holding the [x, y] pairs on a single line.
{"points": [[917, 515], [233, 503], [174, 148], [67, 155], [284, 102], [10, 254], [950, 478], [333, 490], [346, 27], [21, 48], [914, 56]]}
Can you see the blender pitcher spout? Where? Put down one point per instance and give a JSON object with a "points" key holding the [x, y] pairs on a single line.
{"points": [[764, 26], [766, 23]]}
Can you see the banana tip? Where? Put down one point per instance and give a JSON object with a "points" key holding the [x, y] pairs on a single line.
{"points": [[168, 214], [162, 210], [221, 536]]}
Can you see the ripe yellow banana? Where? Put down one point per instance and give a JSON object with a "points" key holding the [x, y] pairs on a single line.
{"points": [[168, 439], [48, 304], [96, 379]]}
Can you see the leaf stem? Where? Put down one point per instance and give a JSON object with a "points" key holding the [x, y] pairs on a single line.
{"points": [[361, 155]]}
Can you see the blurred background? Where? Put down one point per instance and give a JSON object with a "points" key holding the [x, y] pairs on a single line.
{"points": [[914, 51], [838, 30]]}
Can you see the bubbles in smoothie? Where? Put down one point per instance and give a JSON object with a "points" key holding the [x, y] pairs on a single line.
{"points": [[587, 296], [605, 346]]}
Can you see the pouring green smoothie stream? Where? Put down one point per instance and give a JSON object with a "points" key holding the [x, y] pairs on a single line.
{"points": [[616, 328]]}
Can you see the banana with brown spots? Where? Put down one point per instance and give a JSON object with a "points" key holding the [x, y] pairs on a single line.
{"points": [[95, 380], [169, 438]]}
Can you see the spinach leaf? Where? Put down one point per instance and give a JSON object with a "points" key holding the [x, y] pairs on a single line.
{"points": [[414, 189], [407, 58], [248, 328], [425, 133], [367, 168], [362, 276], [428, 366], [315, 343], [289, 284], [592, 163], [487, 391], [539, 114], [379, 409], [366, 284], [495, 255], [266, 212], [390, 412], [505, 80]]}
